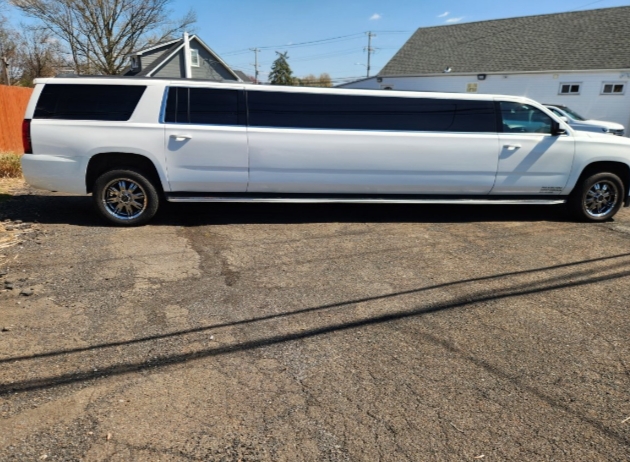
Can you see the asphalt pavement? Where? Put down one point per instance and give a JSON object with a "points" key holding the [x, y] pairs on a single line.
{"points": [[275, 332]]}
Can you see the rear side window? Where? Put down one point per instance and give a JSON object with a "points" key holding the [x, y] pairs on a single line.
{"points": [[88, 102], [203, 106], [300, 110]]}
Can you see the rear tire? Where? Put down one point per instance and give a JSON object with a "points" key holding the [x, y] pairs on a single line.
{"points": [[125, 197], [598, 198]]}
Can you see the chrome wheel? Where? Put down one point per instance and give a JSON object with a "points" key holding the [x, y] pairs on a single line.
{"points": [[601, 199], [124, 199]]}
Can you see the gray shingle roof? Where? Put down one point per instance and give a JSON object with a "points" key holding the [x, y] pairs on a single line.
{"points": [[128, 71], [163, 57], [595, 39], [243, 76], [155, 46]]}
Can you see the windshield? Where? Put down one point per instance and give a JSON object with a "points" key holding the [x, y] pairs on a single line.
{"points": [[573, 114]]}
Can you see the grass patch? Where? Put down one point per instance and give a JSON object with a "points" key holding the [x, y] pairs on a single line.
{"points": [[10, 174], [10, 165]]}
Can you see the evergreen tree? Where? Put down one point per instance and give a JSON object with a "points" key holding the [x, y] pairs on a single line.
{"points": [[281, 71]]}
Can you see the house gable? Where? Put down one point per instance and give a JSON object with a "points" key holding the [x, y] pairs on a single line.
{"points": [[149, 58], [159, 61], [172, 68], [209, 66], [167, 60]]}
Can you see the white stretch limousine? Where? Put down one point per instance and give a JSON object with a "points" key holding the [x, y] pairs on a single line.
{"points": [[135, 142]]}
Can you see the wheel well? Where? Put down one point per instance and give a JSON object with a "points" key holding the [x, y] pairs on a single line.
{"points": [[618, 168], [101, 163]]}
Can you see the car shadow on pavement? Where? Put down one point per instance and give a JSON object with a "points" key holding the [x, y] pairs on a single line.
{"points": [[575, 274], [79, 211], [341, 304]]}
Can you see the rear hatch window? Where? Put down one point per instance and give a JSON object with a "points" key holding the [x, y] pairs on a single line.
{"points": [[88, 102]]}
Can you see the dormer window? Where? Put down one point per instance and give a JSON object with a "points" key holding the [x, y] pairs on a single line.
{"points": [[194, 57]]}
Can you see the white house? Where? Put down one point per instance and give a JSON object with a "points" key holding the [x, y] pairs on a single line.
{"points": [[578, 59]]}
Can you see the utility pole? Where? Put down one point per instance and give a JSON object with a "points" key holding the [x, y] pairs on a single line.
{"points": [[255, 50], [370, 50]]}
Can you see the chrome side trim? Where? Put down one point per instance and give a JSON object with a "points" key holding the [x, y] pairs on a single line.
{"points": [[332, 200]]}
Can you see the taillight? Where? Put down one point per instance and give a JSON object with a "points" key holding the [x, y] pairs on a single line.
{"points": [[26, 136]]}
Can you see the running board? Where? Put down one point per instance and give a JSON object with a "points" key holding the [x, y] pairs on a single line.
{"points": [[362, 200]]}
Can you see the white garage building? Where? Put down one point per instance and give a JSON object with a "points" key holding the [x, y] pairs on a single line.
{"points": [[579, 59]]}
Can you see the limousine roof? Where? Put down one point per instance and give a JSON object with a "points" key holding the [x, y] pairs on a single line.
{"points": [[156, 81]]}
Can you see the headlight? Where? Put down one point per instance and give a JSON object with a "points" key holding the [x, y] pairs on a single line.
{"points": [[606, 130]]}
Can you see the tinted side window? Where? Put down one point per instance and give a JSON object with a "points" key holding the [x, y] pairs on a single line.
{"points": [[523, 118], [299, 110], [207, 106], [210, 106], [177, 106], [88, 102], [474, 116], [302, 110]]}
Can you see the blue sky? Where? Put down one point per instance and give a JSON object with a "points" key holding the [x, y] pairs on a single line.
{"points": [[231, 27]]}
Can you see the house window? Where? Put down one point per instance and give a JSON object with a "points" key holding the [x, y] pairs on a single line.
{"points": [[194, 57], [570, 88], [613, 88], [135, 62]]}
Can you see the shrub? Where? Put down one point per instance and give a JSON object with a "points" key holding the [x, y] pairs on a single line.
{"points": [[10, 165]]}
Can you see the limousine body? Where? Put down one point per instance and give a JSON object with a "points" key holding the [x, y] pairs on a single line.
{"points": [[133, 143]]}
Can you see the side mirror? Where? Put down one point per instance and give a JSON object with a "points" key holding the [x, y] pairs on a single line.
{"points": [[564, 119], [556, 130]]}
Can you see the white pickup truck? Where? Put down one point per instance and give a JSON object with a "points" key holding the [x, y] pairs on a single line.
{"points": [[577, 122], [133, 143]]}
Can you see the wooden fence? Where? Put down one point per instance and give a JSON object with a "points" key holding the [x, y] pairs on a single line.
{"points": [[13, 101]]}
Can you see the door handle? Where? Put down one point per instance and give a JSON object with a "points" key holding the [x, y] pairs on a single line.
{"points": [[512, 147], [181, 137]]}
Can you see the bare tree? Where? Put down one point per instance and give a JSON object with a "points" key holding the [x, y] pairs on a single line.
{"points": [[311, 80], [99, 34], [324, 80], [40, 55], [9, 39]]}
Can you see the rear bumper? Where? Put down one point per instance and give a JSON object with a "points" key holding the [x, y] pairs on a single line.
{"points": [[55, 173]]}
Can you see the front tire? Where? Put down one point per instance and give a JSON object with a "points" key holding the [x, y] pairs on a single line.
{"points": [[125, 197], [598, 198]]}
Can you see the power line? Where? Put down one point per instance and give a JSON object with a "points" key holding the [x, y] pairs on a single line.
{"points": [[588, 4], [340, 38], [326, 41], [294, 45], [327, 55], [330, 54], [288, 46]]}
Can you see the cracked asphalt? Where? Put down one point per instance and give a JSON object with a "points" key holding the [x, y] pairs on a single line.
{"points": [[234, 332]]}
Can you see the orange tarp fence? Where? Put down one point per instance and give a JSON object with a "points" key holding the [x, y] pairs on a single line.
{"points": [[13, 101]]}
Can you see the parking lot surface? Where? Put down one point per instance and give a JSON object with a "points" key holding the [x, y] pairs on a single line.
{"points": [[313, 333]]}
